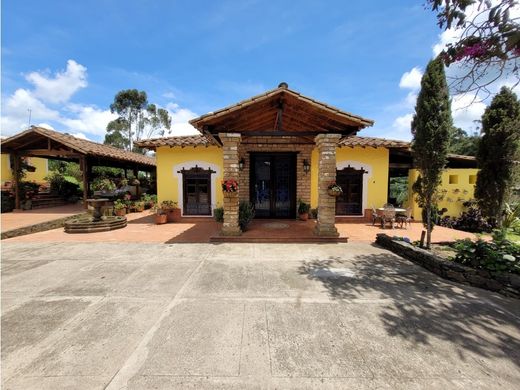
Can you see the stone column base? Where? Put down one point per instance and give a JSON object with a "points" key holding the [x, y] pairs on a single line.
{"points": [[326, 231], [230, 231]]}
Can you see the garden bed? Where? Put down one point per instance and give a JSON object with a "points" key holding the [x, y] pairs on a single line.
{"points": [[505, 283]]}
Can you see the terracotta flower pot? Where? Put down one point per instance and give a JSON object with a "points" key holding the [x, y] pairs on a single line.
{"points": [[161, 219], [120, 212], [304, 216], [174, 215]]}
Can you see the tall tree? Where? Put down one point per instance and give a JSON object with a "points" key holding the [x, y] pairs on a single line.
{"points": [[464, 144], [129, 104], [118, 133], [431, 129], [488, 44], [137, 119], [156, 121], [498, 154]]}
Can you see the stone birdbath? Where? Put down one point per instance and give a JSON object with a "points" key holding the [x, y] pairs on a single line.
{"points": [[97, 204]]}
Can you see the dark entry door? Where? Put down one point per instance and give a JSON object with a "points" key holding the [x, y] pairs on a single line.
{"points": [[273, 184], [196, 183], [351, 182]]}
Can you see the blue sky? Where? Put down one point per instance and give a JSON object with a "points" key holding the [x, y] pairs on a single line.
{"points": [[65, 60]]}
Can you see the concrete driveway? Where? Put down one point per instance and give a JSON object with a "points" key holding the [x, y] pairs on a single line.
{"points": [[141, 316]]}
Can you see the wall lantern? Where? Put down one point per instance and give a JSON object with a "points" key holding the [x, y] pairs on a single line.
{"points": [[241, 163], [306, 166]]}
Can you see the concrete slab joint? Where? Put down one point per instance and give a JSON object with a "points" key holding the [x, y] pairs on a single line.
{"points": [[326, 144], [230, 144]]}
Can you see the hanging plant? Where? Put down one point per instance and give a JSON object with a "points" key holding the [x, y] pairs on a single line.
{"points": [[229, 185], [334, 189]]}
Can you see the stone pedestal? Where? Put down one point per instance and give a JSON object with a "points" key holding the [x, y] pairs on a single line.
{"points": [[326, 144], [230, 142]]}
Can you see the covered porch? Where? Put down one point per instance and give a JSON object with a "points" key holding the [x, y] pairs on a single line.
{"points": [[45, 143], [269, 143]]}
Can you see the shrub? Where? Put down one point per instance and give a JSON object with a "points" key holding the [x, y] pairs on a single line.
{"points": [[246, 213], [103, 184], [119, 204], [66, 186], [314, 213], [303, 207], [7, 202], [497, 255], [218, 214]]}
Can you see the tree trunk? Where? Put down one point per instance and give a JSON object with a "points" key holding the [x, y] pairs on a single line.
{"points": [[428, 225]]}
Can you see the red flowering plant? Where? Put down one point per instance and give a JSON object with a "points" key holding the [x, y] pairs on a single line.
{"points": [[229, 185]]}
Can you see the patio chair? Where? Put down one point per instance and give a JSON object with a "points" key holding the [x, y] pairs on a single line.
{"points": [[388, 216], [375, 216], [405, 220]]}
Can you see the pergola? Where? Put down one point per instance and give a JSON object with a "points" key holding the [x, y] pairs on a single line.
{"points": [[45, 143]]}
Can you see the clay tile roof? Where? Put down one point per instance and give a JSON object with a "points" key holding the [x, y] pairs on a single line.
{"points": [[88, 148], [188, 140], [373, 142]]}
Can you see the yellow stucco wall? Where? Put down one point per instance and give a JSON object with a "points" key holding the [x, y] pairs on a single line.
{"points": [[375, 182], [171, 160], [37, 176], [459, 185]]}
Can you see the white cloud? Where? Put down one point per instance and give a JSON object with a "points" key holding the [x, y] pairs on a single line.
{"points": [[45, 125], [412, 79], [466, 112], [88, 119], [180, 118], [80, 136], [15, 111], [60, 87], [402, 124]]}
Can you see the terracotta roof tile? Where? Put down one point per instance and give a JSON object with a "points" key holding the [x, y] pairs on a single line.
{"points": [[182, 141], [82, 146], [373, 142]]}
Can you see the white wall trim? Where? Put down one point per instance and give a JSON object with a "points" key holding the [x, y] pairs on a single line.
{"points": [[203, 165], [366, 176]]}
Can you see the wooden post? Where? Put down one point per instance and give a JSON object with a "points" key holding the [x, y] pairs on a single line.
{"points": [[16, 173], [84, 173], [136, 173]]}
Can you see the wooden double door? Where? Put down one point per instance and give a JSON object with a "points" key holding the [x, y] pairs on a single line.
{"points": [[351, 201], [273, 184]]}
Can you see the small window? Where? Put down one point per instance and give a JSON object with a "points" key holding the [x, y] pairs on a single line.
{"points": [[454, 179], [472, 179]]}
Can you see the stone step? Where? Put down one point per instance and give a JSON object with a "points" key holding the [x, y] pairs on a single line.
{"points": [[40, 204]]}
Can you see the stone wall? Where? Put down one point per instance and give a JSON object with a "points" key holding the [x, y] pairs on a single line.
{"points": [[504, 283], [277, 145], [39, 227]]}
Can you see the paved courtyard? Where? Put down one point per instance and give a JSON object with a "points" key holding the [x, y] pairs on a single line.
{"points": [[142, 316]]}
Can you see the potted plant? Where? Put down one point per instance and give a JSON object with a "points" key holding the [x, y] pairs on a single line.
{"points": [[119, 208], [160, 215], [172, 211], [139, 206], [104, 185], [334, 189], [303, 210]]}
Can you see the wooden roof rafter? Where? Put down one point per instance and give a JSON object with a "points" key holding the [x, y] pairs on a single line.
{"points": [[286, 109]]}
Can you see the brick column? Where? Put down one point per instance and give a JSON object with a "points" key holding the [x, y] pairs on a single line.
{"points": [[326, 144], [230, 142]]}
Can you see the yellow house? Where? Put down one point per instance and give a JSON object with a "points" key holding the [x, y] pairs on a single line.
{"points": [[38, 176], [282, 147]]}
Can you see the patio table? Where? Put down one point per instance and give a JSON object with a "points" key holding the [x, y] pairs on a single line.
{"points": [[397, 210]]}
